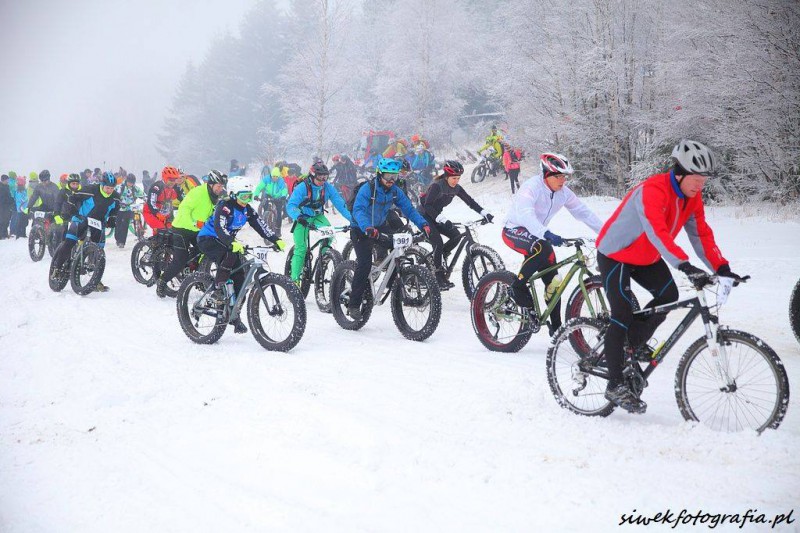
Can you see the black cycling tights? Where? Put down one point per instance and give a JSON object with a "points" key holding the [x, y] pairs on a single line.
{"points": [[657, 279]]}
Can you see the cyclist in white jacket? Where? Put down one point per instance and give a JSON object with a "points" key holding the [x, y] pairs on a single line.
{"points": [[525, 231]]}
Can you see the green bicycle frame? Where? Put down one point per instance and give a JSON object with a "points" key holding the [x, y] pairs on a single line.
{"points": [[578, 261]]}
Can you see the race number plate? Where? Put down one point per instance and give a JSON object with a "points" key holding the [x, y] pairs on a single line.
{"points": [[94, 223], [38, 214], [261, 253], [402, 240], [327, 231], [725, 285]]}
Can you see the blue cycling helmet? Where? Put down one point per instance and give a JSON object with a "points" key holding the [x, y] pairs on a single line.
{"points": [[388, 166], [108, 179]]}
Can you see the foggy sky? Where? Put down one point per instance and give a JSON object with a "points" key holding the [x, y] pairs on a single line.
{"points": [[89, 81]]}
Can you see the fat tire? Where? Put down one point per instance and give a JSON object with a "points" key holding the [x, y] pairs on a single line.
{"points": [[433, 294], [139, 250], [322, 286], [58, 284], [89, 249], [182, 306], [479, 252], [37, 243], [295, 299], [479, 325], [757, 345], [341, 276], [478, 174], [794, 311]]}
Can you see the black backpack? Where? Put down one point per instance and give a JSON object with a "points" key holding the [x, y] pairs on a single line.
{"points": [[371, 182]]}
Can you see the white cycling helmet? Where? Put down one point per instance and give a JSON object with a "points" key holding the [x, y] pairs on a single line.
{"points": [[555, 164], [693, 157]]}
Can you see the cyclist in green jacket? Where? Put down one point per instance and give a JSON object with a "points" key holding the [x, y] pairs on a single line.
{"points": [[194, 210], [273, 187]]}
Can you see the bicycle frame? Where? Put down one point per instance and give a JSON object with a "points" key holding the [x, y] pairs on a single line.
{"points": [[381, 293], [578, 261]]}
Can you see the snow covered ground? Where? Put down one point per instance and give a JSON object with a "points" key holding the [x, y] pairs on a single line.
{"points": [[112, 420]]}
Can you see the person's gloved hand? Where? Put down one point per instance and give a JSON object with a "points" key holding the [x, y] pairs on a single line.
{"points": [[281, 244], [162, 217], [725, 271], [695, 275], [58, 220], [554, 239], [487, 216], [303, 220], [427, 229], [25, 210], [111, 223], [372, 233], [237, 247]]}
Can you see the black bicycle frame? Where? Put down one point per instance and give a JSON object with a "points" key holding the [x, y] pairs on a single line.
{"points": [[464, 240]]}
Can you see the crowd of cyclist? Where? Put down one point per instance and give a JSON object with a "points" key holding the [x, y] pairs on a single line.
{"points": [[637, 242]]}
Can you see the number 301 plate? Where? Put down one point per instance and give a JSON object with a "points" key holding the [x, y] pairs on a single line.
{"points": [[402, 240]]}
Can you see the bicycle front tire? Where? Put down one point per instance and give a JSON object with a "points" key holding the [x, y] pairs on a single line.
{"points": [[755, 395]]}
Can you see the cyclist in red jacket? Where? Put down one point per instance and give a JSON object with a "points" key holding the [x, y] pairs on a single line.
{"points": [[636, 241]]}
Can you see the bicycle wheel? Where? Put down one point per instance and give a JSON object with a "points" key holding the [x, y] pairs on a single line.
{"points": [[478, 174], [416, 302], [322, 278], [202, 319], [138, 227], [277, 317], [143, 263], [744, 387], [36, 242], [341, 285], [347, 250], [500, 324], [794, 311], [305, 274], [569, 369], [272, 220], [57, 283], [87, 268], [53, 237], [479, 260]]}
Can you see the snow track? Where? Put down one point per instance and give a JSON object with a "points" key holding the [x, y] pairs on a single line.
{"points": [[112, 420]]}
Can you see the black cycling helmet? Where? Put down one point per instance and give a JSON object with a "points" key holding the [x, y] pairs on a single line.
{"points": [[44, 175], [319, 169], [73, 178], [452, 168], [215, 176], [131, 178]]}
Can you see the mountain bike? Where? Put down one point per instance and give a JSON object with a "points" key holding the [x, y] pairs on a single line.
{"points": [[486, 165], [84, 268], [268, 210], [727, 379], [794, 311], [479, 259], [503, 326], [136, 225], [162, 257], [147, 258], [319, 271], [414, 295], [42, 235], [276, 311]]}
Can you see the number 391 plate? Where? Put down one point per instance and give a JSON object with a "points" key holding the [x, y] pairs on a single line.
{"points": [[402, 240], [261, 253]]}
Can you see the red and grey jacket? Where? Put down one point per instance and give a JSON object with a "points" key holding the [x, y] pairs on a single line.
{"points": [[644, 226]]}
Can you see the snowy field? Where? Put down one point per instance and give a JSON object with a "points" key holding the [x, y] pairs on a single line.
{"points": [[111, 420]]}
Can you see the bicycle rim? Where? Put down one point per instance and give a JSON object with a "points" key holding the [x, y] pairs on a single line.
{"points": [[744, 388], [496, 319]]}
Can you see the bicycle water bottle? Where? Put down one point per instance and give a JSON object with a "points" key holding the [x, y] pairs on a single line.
{"points": [[229, 292], [551, 288]]}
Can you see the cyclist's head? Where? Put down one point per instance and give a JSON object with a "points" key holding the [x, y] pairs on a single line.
{"points": [[275, 173], [130, 179], [170, 175], [108, 182], [33, 177], [555, 169], [44, 175], [452, 170], [335, 158], [387, 170], [691, 157], [319, 172], [243, 195], [494, 128], [63, 178], [74, 182], [20, 181], [216, 181]]}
